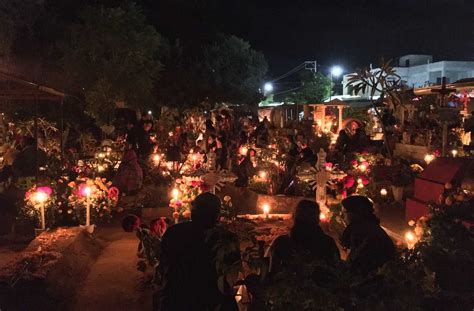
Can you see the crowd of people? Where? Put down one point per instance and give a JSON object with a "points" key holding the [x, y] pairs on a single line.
{"points": [[218, 144], [193, 253]]}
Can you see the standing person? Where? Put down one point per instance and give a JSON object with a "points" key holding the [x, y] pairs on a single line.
{"points": [[129, 177], [188, 263], [144, 143], [306, 238], [221, 153], [370, 246], [246, 169], [29, 158]]}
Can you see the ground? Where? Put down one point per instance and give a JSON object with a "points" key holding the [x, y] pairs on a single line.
{"points": [[114, 283]]}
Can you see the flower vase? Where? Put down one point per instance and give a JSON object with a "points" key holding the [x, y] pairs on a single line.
{"points": [[397, 192]]}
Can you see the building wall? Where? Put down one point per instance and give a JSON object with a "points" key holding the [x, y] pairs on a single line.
{"points": [[425, 74]]}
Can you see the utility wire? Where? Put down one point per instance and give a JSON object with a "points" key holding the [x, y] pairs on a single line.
{"points": [[286, 91], [297, 68]]}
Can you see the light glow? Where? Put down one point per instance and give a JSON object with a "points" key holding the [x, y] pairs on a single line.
{"points": [[429, 158], [39, 197], [336, 71]]}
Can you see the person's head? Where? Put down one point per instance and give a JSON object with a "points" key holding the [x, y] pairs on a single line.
{"points": [[353, 126], [358, 208], [211, 139], [28, 141], [302, 143], [251, 153], [147, 125], [306, 213], [130, 223], [289, 139], [209, 124], [206, 209]]}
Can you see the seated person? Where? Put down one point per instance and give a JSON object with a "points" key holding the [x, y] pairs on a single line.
{"points": [[306, 238], [351, 139], [370, 246], [306, 154]]}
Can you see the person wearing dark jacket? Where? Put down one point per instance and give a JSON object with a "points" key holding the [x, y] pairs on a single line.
{"points": [[370, 246], [245, 170], [188, 265], [28, 159], [144, 143], [306, 238]]}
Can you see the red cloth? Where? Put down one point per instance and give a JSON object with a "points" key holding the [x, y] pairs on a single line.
{"points": [[129, 175]]}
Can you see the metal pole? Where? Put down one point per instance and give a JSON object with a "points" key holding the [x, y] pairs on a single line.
{"points": [[330, 89], [62, 129], [36, 140]]}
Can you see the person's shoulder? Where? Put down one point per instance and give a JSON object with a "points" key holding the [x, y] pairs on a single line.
{"points": [[281, 240], [178, 228]]}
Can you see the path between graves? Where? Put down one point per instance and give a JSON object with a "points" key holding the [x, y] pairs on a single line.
{"points": [[114, 283]]}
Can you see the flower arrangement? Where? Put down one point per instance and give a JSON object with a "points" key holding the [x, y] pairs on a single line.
{"points": [[99, 194], [37, 201], [183, 194], [228, 211]]}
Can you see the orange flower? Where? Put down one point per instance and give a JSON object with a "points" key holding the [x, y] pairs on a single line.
{"points": [[187, 214]]}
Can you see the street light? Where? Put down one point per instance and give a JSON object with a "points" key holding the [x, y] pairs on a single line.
{"points": [[268, 87], [336, 71]]}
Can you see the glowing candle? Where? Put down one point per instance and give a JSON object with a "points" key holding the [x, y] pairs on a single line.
{"points": [[40, 198], [175, 193], [266, 210], [410, 239], [429, 158]]}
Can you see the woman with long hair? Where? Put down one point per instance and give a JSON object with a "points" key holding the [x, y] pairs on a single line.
{"points": [[306, 238]]}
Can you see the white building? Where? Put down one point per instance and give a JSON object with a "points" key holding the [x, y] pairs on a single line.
{"points": [[420, 71]]}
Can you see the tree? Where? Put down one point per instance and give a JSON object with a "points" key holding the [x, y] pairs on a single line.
{"points": [[232, 71], [384, 81], [112, 55], [315, 87], [18, 24]]}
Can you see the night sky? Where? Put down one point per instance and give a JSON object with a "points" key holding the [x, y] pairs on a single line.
{"points": [[351, 33]]}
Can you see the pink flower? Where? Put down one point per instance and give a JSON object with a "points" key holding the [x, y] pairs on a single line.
{"points": [[365, 180], [46, 190], [113, 193], [158, 226], [205, 188], [348, 182], [329, 165]]}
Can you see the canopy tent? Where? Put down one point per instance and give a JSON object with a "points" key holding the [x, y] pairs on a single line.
{"points": [[22, 91]]}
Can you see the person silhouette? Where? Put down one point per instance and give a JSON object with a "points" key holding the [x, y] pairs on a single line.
{"points": [[370, 246], [191, 277], [306, 238]]}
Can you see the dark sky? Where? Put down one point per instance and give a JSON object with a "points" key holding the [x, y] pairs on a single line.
{"points": [[351, 33]]}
